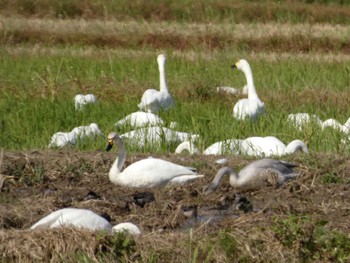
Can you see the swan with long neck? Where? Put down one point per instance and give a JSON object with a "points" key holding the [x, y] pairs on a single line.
{"points": [[151, 172], [252, 106], [153, 100], [256, 175], [82, 218]]}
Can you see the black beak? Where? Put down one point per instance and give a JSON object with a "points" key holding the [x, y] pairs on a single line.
{"points": [[109, 146], [233, 66]]}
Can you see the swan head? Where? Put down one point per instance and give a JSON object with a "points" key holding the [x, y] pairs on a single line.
{"points": [[241, 64], [161, 59], [112, 136]]}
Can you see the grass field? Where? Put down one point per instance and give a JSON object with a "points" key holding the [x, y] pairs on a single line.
{"points": [[299, 52]]}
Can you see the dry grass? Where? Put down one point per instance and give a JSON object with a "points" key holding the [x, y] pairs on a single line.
{"points": [[132, 34], [237, 236]]}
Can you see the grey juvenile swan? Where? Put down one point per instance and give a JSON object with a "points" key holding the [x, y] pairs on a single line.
{"points": [[256, 175]]}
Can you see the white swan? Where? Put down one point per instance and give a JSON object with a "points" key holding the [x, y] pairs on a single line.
{"points": [[81, 100], [151, 172], [269, 146], [82, 218], [156, 135], [153, 100], [300, 120], [252, 106], [140, 119], [231, 146], [255, 175], [251, 146], [333, 124], [61, 139]]}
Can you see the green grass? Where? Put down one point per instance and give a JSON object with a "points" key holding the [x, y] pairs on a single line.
{"points": [[38, 91]]}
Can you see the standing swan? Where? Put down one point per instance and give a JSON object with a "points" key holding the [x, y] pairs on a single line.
{"points": [[252, 106], [82, 218], [255, 175], [151, 172], [153, 100]]}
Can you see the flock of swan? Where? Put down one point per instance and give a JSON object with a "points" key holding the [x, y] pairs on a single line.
{"points": [[154, 172]]}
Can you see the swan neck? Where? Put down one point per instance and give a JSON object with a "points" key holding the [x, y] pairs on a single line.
{"points": [[162, 82], [250, 83], [221, 173], [118, 163], [186, 145]]}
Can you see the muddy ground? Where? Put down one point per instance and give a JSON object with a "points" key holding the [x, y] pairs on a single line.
{"points": [[35, 183]]}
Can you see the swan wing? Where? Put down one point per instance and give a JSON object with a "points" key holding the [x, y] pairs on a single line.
{"points": [[152, 172], [73, 217]]}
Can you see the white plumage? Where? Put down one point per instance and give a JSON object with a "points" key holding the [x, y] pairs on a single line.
{"points": [[251, 146], [251, 107], [156, 135], [153, 100], [81, 100], [82, 218], [61, 139], [140, 119], [151, 172]]}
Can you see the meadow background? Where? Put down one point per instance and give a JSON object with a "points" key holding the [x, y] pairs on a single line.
{"points": [[299, 52]]}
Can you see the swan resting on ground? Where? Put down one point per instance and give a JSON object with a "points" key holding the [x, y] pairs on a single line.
{"points": [[270, 146], [82, 218], [251, 107], [155, 136], [61, 139], [140, 119], [151, 172], [153, 100], [256, 175], [251, 146], [81, 100]]}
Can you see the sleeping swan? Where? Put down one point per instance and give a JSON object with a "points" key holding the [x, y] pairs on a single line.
{"points": [[255, 175], [151, 172], [251, 107], [153, 100], [82, 218]]}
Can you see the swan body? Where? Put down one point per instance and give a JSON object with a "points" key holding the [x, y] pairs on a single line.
{"points": [[256, 175], [140, 119], [231, 146], [251, 107], [270, 146], [251, 146], [300, 120], [81, 100], [81, 218], [153, 100], [151, 172], [336, 125], [155, 135], [61, 139]]}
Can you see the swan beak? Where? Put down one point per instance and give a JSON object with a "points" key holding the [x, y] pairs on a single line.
{"points": [[109, 146], [233, 66]]}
